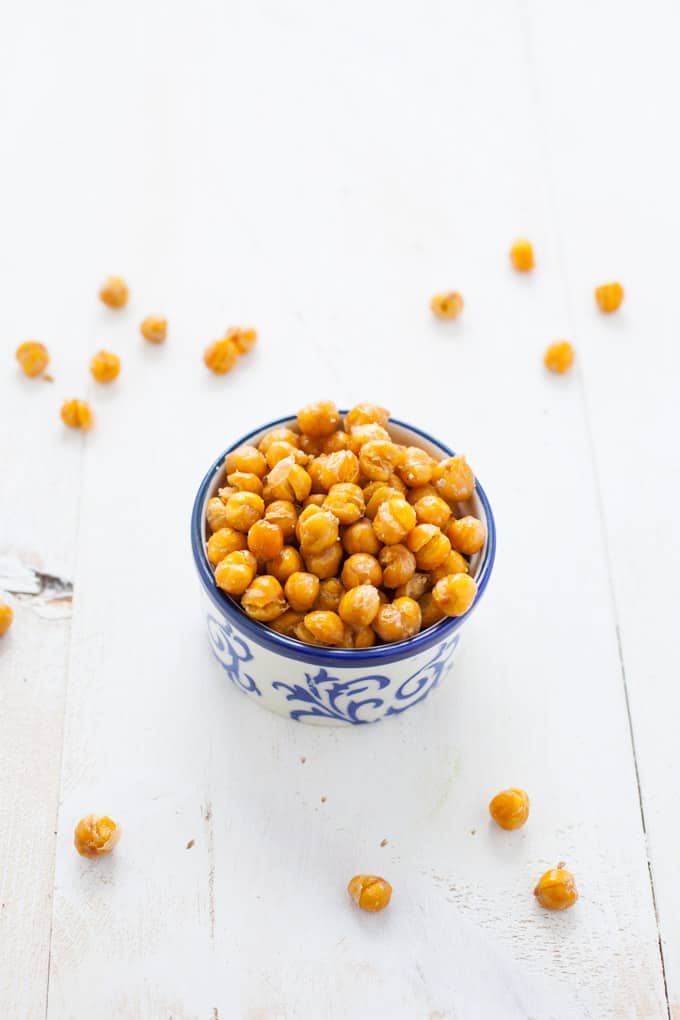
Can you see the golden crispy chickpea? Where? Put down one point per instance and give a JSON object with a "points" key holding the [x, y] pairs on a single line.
{"points": [[453, 564], [398, 565], [559, 357], [221, 356], [318, 419], [361, 568], [154, 329], [325, 564], [283, 513], [95, 836], [430, 545], [379, 458], [522, 255], [362, 434], [77, 414], [278, 450], [307, 511], [235, 572], [609, 297], [370, 892], [467, 535], [263, 599], [346, 501], [398, 620], [265, 540], [326, 627], [288, 480], [376, 493], [311, 445], [287, 623], [286, 563], [455, 593], [303, 634], [6, 617], [243, 509], [333, 469], [224, 541], [395, 482], [393, 520], [247, 459], [453, 479], [281, 434], [366, 414], [225, 491], [429, 611], [413, 495], [315, 499], [416, 468], [364, 637], [361, 538], [33, 358], [302, 590], [330, 594], [114, 292], [359, 606], [245, 339], [510, 808], [317, 531], [334, 443], [216, 514], [105, 366], [447, 306], [415, 587], [242, 481], [556, 889], [432, 509]]}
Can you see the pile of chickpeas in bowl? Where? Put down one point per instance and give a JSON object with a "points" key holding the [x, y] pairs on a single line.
{"points": [[337, 535]]}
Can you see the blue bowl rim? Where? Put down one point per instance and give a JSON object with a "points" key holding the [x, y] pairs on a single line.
{"points": [[291, 648]]}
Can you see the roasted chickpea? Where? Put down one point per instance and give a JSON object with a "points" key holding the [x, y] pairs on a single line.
{"points": [[95, 835], [315, 499], [413, 495], [398, 620], [346, 502], [224, 541], [114, 292], [287, 623], [395, 482], [77, 414], [288, 480], [370, 892], [283, 513], [429, 611], [245, 339], [415, 587], [416, 468], [447, 306], [432, 510], [263, 599], [318, 419], [361, 538], [280, 434], [522, 255], [510, 808], [221, 356], [6, 617], [366, 414], [430, 545], [376, 493], [216, 514], [243, 509], [467, 535], [324, 564], [364, 637], [330, 594], [278, 450], [325, 627], [394, 519], [241, 481], [286, 563], [453, 564], [398, 565], [154, 329], [455, 593], [361, 568], [334, 443], [311, 445], [105, 366], [302, 590], [362, 434], [379, 458], [333, 469], [556, 889], [33, 358], [559, 357], [225, 491], [317, 531], [609, 297], [358, 606], [453, 479], [247, 459], [265, 540], [236, 571]]}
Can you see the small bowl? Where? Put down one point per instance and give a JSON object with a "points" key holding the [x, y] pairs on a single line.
{"points": [[331, 686]]}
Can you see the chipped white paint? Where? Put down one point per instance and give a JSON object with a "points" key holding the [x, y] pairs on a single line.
{"points": [[320, 172]]}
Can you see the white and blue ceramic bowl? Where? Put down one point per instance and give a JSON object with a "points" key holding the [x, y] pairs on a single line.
{"points": [[330, 686]]}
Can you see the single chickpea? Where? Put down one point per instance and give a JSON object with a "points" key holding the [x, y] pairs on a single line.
{"points": [[432, 509], [216, 514], [333, 469], [308, 511], [236, 571], [318, 531], [95, 836], [224, 541], [379, 458], [302, 590], [311, 445], [318, 419], [221, 356], [6, 617], [105, 366], [359, 606], [416, 468], [278, 450], [243, 509], [453, 479], [366, 414], [430, 545], [467, 535], [395, 482], [245, 339], [288, 480], [325, 627], [324, 564], [362, 434], [283, 513], [364, 637], [398, 620], [398, 565], [286, 563], [510, 808], [453, 564], [247, 459], [556, 889], [287, 623], [376, 493], [361, 538], [315, 499], [370, 892], [154, 329], [33, 358], [415, 587], [114, 292], [609, 297], [77, 414], [429, 610], [242, 481], [394, 519], [301, 632], [346, 501], [447, 306], [559, 357], [416, 493], [224, 492], [522, 255], [330, 594], [455, 593], [263, 599], [265, 540], [334, 443], [280, 434], [361, 568]]}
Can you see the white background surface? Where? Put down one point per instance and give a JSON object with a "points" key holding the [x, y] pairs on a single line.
{"points": [[320, 172]]}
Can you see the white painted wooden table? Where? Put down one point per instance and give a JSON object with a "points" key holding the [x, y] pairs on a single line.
{"points": [[319, 172]]}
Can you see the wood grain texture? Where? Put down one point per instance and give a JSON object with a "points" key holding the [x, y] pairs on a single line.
{"points": [[320, 173]]}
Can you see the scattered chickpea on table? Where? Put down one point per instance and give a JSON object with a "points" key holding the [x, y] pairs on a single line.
{"points": [[114, 292], [96, 835], [559, 357], [222, 355], [370, 892], [556, 889], [510, 808], [447, 306], [154, 329], [609, 297], [105, 366], [77, 414], [522, 255], [33, 357]]}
